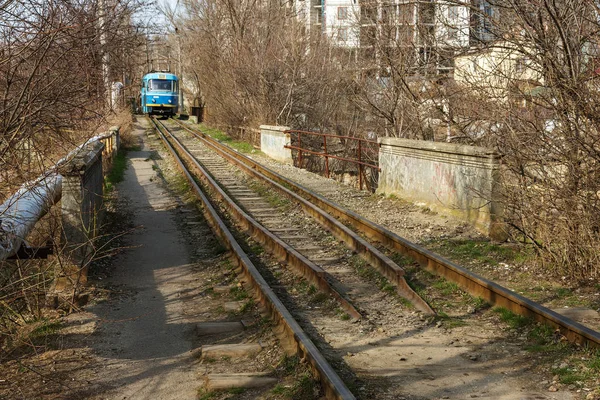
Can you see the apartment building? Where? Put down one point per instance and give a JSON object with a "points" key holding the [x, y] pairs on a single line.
{"points": [[437, 30], [338, 19], [497, 70]]}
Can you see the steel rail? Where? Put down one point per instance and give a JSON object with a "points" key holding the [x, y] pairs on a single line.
{"points": [[280, 250], [333, 385], [375, 258], [472, 283]]}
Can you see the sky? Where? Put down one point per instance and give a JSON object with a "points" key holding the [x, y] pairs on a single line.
{"points": [[150, 15], [172, 4]]}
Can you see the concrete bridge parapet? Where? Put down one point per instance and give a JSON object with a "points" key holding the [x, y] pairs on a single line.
{"points": [[458, 180], [81, 205]]}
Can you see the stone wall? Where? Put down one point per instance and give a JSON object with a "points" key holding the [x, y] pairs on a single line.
{"points": [[273, 141], [456, 180]]}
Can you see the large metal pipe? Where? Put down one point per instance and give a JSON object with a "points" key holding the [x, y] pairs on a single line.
{"points": [[21, 211]]}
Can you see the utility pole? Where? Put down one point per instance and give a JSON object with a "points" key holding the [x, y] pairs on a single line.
{"points": [[180, 70]]}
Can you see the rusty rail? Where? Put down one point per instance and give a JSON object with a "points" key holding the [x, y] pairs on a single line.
{"points": [[361, 164], [297, 340], [375, 258], [472, 283], [280, 250]]}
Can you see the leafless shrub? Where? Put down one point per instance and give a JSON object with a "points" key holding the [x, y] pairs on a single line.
{"points": [[53, 90], [541, 87], [255, 66]]}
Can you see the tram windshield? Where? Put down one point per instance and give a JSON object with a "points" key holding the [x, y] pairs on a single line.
{"points": [[160, 84]]}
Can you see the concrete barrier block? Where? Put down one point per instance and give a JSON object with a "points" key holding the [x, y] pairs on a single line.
{"points": [[115, 131], [273, 140], [82, 200]]}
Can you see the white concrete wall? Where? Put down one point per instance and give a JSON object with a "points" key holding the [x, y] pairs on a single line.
{"points": [[452, 24], [272, 142], [344, 32], [302, 12], [451, 179], [493, 70]]}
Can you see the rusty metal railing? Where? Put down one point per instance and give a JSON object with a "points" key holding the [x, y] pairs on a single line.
{"points": [[361, 147], [112, 143]]}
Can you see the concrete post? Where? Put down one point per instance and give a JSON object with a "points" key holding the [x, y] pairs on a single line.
{"points": [[273, 141], [116, 138], [81, 205]]}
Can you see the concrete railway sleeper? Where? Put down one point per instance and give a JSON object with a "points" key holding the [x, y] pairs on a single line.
{"points": [[472, 283], [293, 337]]}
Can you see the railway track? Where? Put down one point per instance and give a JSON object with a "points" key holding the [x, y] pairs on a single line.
{"points": [[294, 337], [472, 283], [311, 250]]}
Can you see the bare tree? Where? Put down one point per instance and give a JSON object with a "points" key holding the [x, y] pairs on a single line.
{"points": [[52, 99], [254, 64], [540, 82]]}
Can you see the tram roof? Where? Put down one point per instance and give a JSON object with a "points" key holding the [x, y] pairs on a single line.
{"points": [[161, 75]]}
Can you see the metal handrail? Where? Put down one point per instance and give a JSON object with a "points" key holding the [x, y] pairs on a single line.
{"points": [[327, 155]]}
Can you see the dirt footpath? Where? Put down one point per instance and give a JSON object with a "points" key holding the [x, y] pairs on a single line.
{"points": [[144, 337], [135, 339]]}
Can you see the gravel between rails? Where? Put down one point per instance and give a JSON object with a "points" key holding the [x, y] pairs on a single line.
{"points": [[396, 353]]}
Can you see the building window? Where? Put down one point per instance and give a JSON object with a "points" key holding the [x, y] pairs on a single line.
{"points": [[483, 15], [343, 35], [521, 64], [342, 13], [406, 13], [302, 13], [453, 20]]}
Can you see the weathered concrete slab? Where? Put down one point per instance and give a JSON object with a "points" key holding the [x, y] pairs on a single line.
{"points": [[229, 381], [579, 314], [230, 350], [457, 180], [223, 289], [214, 328], [326, 260], [233, 305], [273, 141]]}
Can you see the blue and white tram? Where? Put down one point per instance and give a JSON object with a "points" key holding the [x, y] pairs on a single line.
{"points": [[160, 94]]}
